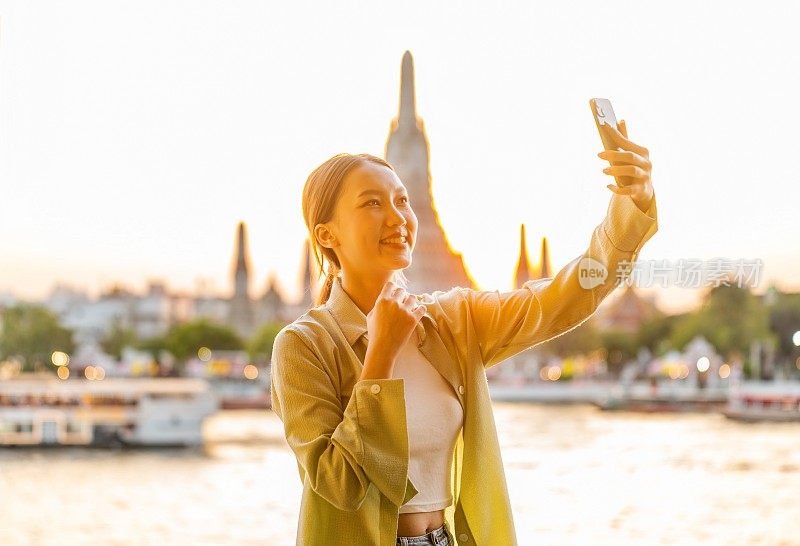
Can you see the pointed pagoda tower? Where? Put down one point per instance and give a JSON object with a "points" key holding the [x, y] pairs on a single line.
{"points": [[240, 312], [523, 272], [545, 268], [435, 266]]}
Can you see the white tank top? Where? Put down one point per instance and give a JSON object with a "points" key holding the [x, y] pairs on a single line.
{"points": [[434, 418]]}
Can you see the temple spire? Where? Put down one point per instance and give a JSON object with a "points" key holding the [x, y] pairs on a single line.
{"points": [[545, 268], [523, 264], [436, 265], [408, 103], [240, 311], [241, 276]]}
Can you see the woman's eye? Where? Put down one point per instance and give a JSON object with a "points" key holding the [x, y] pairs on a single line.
{"points": [[371, 201]]}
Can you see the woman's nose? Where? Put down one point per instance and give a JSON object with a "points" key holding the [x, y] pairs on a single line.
{"points": [[395, 216]]}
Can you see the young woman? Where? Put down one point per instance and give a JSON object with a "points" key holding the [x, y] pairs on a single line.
{"points": [[383, 393]]}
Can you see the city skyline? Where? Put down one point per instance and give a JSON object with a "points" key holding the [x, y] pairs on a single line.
{"points": [[205, 125], [238, 288]]}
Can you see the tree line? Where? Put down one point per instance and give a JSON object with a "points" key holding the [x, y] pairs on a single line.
{"points": [[731, 318]]}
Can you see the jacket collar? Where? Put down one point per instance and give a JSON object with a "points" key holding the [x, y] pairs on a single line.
{"points": [[350, 318]]}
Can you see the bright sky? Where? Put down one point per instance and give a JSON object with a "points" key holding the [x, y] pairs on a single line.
{"points": [[135, 135]]}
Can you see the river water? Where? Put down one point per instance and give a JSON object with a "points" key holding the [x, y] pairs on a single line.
{"points": [[576, 476]]}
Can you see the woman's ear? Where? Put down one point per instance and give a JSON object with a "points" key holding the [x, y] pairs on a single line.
{"points": [[324, 236]]}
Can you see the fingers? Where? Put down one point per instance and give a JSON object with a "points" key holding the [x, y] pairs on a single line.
{"points": [[388, 288], [393, 291], [399, 293], [417, 309], [642, 191], [631, 171], [627, 190], [627, 167], [622, 141], [626, 157], [409, 301]]}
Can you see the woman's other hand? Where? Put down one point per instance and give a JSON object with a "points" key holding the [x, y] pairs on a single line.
{"points": [[392, 319], [630, 166]]}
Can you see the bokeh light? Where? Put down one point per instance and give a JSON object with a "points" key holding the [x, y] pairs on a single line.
{"points": [[250, 371], [60, 358], [553, 373]]}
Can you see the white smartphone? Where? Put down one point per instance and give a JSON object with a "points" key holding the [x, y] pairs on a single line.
{"points": [[603, 114]]}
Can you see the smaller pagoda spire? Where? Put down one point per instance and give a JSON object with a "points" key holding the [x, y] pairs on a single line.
{"points": [[545, 268], [523, 272]]}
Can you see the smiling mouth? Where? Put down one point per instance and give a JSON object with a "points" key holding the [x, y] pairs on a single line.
{"points": [[396, 242]]}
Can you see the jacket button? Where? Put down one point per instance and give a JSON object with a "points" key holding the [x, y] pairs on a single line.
{"points": [[375, 389], [463, 537], [461, 391]]}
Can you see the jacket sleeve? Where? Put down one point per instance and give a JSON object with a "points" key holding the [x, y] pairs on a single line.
{"points": [[510, 322], [340, 451]]}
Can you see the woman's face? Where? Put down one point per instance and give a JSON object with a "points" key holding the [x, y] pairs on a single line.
{"points": [[373, 206]]}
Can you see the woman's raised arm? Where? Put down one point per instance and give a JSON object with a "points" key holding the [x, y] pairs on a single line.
{"points": [[509, 322]]}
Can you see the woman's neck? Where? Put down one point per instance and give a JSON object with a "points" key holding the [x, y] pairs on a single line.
{"points": [[364, 291]]}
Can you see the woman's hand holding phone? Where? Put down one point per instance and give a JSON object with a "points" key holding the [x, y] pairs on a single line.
{"points": [[630, 165]]}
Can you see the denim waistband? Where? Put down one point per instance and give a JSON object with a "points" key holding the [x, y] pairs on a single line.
{"points": [[437, 537]]}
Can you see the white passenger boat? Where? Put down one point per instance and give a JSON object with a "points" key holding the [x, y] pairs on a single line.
{"points": [[765, 401], [144, 412]]}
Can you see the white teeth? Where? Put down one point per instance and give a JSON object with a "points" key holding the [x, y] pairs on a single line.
{"points": [[395, 240]]}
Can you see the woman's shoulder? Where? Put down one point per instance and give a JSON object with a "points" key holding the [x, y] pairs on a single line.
{"points": [[444, 306], [440, 296], [312, 328]]}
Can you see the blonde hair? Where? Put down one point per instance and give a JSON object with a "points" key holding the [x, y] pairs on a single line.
{"points": [[320, 194]]}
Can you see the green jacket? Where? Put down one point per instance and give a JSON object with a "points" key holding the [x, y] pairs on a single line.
{"points": [[349, 435]]}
